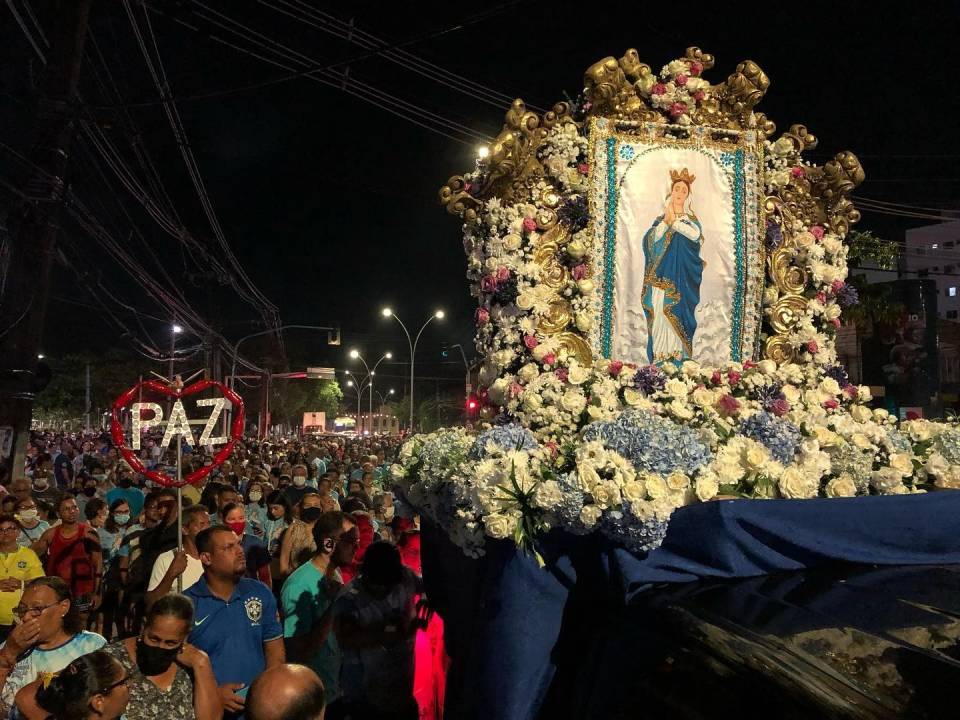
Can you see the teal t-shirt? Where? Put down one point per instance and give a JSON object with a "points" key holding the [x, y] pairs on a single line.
{"points": [[305, 599]]}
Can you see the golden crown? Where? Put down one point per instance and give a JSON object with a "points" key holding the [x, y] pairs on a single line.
{"points": [[684, 176]]}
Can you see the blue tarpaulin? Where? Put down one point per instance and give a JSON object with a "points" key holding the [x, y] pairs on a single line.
{"points": [[513, 628]]}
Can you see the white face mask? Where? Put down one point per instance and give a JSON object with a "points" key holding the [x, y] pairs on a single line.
{"points": [[29, 514], [255, 496], [99, 478], [299, 480]]}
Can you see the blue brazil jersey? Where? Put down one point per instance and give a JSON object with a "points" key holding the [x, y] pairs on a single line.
{"points": [[233, 632]]}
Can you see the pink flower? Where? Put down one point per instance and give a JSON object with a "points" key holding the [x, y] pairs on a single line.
{"points": [[821, 297], [851, 390], [817, 232], [734, 377], [579, 272], [503, 274], [549, 358], [530, 341], [699, 96], [831, 404], [715, 378], [529, 224], [836, 323], [681, 79], [780, 407], [659, 89], [515, 389], [749, 365], [488, 283], [467, 187], [583, 168], [798, 172], [812, 347], [837, 285], [696, 68], [562, 373], [615, 367], [552, 447], [483, 317], [728, 404], [678, 109]]}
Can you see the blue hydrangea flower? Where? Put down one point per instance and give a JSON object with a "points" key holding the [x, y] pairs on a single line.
{"points": [[947, 444], [847, 296], [636, 535], [651, 443], [781, 437], [505, 437]]}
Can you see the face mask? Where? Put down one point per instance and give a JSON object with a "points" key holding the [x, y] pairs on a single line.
{"points": [[237, 527], [299, 481], [89, 491], [311, 514], [255, 496], [100, 478], [29, 514], [154, 660], [125, 482], [122, 518]]}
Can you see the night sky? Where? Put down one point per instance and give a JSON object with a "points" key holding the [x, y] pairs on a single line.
{"points": [[330, 203]]}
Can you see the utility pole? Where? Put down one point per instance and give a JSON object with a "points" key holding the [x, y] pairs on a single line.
{"points": [[36, 225]]}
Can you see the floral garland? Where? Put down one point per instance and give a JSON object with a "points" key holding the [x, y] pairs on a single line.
{"points": [[616, 447]]}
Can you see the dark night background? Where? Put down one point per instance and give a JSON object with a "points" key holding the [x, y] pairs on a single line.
{"points": [[330, 203]]}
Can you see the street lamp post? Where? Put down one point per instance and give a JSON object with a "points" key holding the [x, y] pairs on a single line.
{"points": [[174, 331], [355, 354], [438, 315], [360, 390]]}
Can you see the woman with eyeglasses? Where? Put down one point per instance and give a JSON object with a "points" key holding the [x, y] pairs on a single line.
{"points": [[17, 566], [48, 636], [92, 687], [169, 678]]}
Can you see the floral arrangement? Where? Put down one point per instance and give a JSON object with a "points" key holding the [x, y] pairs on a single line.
{"points": [[586, 444]]}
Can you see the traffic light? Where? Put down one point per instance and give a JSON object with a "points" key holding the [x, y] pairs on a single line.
{"points": [[472, 404]]}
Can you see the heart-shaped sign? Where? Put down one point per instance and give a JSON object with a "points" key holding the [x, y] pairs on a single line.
{"points": [[178, 394]]}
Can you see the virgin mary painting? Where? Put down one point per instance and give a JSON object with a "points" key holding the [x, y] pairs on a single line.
{"points": [[673, 271]]}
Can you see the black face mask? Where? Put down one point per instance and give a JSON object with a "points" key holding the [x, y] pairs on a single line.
{"points": [[125, 482], [89, 491], [154, 660], [311, 514]]}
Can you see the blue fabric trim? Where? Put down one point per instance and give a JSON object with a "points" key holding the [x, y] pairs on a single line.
{"points": [[610, 246], [736, 349]]}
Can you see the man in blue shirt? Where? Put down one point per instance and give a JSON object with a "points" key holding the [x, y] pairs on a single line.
{"points": [[235, 618]]}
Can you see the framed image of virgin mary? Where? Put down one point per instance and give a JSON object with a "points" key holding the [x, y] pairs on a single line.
{"points": [[678, 226]]}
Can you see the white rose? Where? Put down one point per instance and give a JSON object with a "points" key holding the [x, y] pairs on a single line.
{"points": [[886, 481], [805, 239], [586, 286], [767, 367], [681, 410], [861, 441], [937, 465], [588, 477], [578, 375], [584, 321], [830, 386], [525, 300], [548, 495], [864, 394], [881, 415], [529, 372], [398, 472], [920, 430], [825, 437], [532, 402], [755, 458], [498, 391], [656, 487], [677, 481], [791, 393], [794, 483], [783, 147], [634, 491], [576, 249], [499, 526], [676, 387], [631, 397], [832, 311], [707, 486], [512, 242], [691, 368], [860, 413], [540, 351], [703, 397], [589, 515], [842, 486], [606, 494], [831, 243], [573, 402], [902, 462]]}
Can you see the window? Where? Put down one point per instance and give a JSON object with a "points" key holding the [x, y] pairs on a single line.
{"points": [[951, 314], [934, 246], [952, 291], [923, 273], [935, 268]]}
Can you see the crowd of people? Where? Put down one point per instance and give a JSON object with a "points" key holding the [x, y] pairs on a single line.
{"points": [[296, 593]]}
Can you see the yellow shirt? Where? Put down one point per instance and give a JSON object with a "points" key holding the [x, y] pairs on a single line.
{"points": [[21, 564]]}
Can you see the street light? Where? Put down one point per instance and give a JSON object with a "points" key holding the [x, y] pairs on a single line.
{"points": [[412, 344], [174, 331], [40, 356], [360, 390], [355, 354]]}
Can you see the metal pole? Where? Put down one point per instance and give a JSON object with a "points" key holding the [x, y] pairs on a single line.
{"points": [[86, 413], [173, 348], [179, 507]]}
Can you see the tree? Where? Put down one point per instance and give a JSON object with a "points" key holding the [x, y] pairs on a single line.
{"points": [[290, 399]]}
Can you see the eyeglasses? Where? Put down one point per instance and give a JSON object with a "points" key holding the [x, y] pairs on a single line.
{"points": [[125, 681], [22, 612], [9, 528]]}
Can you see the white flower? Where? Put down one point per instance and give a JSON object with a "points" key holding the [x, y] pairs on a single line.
{"points": [[681, 410], [676, 388], [937, 465], [919, 430], [886, 480], [861, 414], [767, 367], [586, 286], [498, 391], [831, 243], [783, 147], [902, 462], [576, 248], [589, 515], [634, 491], [631, 397], [656, 486], [512, 242], [532, 402], [573, 402], [842, 486], [770, 296], [704, 398], [830, 386], [499, 526], [707, 486], [606, 494], [529, 372], [794, 483], [548, 495], [577, 375], [864, 394], [677, 481]]}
